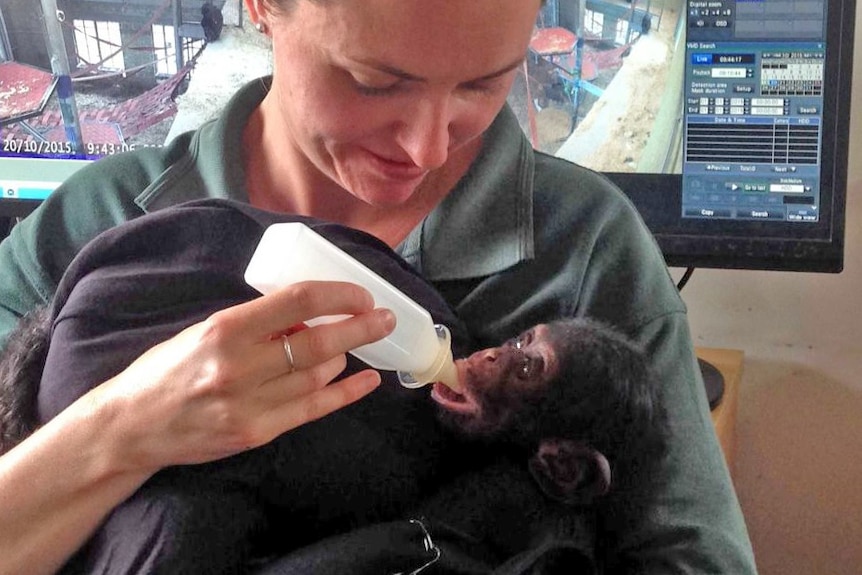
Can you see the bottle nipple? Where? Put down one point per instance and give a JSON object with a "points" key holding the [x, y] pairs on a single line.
{"points": [[442, 369]]}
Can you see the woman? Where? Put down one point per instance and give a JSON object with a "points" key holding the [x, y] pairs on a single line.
{"points": [[387, 116]]}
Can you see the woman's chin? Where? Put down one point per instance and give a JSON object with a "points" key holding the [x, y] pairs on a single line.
{"points": [[384, 194]]}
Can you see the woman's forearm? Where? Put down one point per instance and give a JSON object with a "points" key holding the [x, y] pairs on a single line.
{"points": [[56, 487]]}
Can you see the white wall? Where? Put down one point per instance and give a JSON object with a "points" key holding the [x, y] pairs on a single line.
{"points": [[799, 430]]}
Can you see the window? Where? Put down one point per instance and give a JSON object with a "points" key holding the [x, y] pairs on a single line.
{"points": [[163, 50], [99, 43], [622, 36], [594, 22]]}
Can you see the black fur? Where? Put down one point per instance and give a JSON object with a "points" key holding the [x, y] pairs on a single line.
{"points": [[604, 396], [21, 363], [609, 393]]}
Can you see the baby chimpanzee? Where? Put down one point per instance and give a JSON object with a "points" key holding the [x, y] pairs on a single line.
{"points": [[575, 393], [549, 419], [572, 397], [571, 405]]}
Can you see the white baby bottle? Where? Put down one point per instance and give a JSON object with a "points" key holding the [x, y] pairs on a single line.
{"points": [[418, 350]]}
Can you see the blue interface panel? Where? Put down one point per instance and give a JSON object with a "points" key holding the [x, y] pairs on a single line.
{"points": [[753, 109]]}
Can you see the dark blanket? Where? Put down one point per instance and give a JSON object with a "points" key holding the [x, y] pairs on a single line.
{"points": [[335, 493], [489, 520]]}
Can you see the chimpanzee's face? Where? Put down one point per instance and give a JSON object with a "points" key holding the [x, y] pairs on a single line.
{"points": [[497, 382]]}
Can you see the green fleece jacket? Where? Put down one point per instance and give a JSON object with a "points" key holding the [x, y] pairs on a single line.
{"points": [[523, 238]]}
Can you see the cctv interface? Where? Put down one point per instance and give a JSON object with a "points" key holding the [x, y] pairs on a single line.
{"points": [[753, 110]]}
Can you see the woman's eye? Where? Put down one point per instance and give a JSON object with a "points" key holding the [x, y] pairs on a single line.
{"points": [[484, 87], [372, 87], [374, 90]]}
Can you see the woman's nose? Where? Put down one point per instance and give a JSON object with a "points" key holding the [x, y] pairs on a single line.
{"points": [[424, 133]]}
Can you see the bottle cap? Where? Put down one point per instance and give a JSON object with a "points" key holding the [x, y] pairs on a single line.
{"points": [[442, 369]]}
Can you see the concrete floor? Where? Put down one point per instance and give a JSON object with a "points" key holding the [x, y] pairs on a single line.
{"points": [[240, 55]]}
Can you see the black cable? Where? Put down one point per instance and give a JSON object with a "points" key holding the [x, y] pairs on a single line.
{"points": [[685, 277]]}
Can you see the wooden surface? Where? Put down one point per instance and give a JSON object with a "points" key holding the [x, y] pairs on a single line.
{"points": [[729, 363]]}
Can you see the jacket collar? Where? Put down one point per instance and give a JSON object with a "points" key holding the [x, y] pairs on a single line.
{"points": [[208, 161], [485, 225]]}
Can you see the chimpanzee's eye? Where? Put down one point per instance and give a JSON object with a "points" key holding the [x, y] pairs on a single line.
{"points": [[526, 368], [522, 341], [531, 364]]}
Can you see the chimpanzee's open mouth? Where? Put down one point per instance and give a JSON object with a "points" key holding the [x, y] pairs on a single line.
{"points": [[451, 400]]}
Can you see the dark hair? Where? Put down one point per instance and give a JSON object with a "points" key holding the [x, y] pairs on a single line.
{"points": [[21, 363]]}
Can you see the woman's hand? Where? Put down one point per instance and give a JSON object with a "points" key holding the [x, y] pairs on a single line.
{"points": [[225, 385]]}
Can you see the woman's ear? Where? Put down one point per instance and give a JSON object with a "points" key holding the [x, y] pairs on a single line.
{"points": [[258, 14], [570, 471]]}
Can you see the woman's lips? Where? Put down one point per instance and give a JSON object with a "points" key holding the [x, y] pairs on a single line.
{"points": [[395, 169]]}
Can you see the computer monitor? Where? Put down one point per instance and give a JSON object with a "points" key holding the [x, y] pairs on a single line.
{"points": [[725, 121]]}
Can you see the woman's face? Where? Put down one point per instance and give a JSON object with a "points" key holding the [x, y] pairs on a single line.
{"points": [[376, 94]]}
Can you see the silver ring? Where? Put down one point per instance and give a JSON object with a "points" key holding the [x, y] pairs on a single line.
{"points": [[285, 343]]}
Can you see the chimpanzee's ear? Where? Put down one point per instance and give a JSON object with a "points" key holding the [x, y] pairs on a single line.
{"points": [[570, 471]]}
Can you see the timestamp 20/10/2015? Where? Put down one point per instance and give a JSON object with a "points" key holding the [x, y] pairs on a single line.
{"points": [[19, 146]]}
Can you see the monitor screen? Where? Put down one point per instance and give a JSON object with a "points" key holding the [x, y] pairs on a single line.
{"points": [[118, 93], [725, 121]]}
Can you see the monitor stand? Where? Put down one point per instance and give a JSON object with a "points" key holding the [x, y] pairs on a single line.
{"points": [[713, 381]]}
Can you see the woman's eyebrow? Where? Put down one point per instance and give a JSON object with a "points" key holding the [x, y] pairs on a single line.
{"points": [[502, 71], [398, 73]]}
